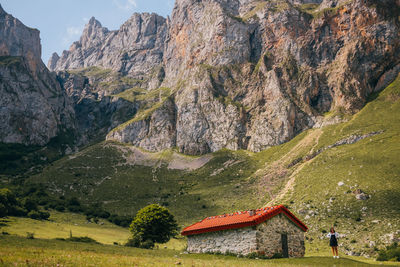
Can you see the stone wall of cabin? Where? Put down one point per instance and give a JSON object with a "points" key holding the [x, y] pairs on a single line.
{"points": [[269, 237], [264, 238], [237, 241]]}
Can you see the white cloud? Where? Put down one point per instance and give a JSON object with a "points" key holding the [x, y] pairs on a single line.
{"points": [[72, 34], [126, 5], [170, 3]]}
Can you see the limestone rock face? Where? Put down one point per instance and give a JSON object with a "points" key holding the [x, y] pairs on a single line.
{"points": [[96, 113], [244, 74], [136, 49], [18, 40], [154, 133], [33, 107]]}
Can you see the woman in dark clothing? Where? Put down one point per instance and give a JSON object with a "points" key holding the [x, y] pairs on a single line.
{"points": [[333, 242]]}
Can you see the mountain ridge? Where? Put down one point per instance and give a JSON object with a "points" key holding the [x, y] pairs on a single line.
{"points": [[268, 69]]}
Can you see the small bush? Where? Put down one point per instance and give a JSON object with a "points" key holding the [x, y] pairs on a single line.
{"points": [[30, 204], [392, 253], [277, 256], [75, 209], [148, 244], [3, 210], [34, 215], [82, 239], [133, 242], [44, 215], [30, 235], [38, 215], [59, 208]]}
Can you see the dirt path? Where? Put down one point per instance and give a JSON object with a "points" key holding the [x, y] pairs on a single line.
{"points": [[278, 168]]}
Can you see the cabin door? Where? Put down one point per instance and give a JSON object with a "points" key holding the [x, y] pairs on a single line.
{"points": [[285, 248]]}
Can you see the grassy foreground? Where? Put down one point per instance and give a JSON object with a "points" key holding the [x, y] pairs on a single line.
{"points": [[18, 251]]}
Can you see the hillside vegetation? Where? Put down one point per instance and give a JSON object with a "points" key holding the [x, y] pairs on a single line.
{"points": [[318, 175]]}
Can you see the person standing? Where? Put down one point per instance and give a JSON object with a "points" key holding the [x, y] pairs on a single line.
{"points": [[333, 236]]}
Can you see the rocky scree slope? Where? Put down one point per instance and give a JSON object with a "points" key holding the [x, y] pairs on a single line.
{"points": [[243, 74], [33, 106]]}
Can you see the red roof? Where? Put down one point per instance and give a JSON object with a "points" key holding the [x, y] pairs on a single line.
{"points": [[239, 220]]}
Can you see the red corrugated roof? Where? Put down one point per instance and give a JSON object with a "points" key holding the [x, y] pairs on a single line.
{"points": [[239, 220]]}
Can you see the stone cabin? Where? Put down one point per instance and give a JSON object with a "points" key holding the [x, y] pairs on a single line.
{"points": [[267, 231]]}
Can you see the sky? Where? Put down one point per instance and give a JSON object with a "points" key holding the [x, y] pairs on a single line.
{"points": [[61, 22]]}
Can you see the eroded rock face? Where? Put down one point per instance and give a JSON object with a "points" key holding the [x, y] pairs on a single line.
{"points": [[154, 133], [136, 49], [246, 74], [33, 107]]}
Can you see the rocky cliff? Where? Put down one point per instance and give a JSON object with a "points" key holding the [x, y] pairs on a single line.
{"points": [[33, 107], [136, 49], [243, 74]]}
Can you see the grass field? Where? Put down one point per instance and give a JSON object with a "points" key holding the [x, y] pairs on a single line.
{"points": [[61, 225], [18, 251]]}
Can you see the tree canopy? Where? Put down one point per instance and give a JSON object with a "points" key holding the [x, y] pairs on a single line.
{"points": [[152, 224]]}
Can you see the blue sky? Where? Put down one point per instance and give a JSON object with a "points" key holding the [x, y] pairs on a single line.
{"points": [[61, 21]]}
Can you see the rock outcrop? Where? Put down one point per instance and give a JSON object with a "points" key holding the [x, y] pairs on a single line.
{"points": [[33, 107], [245, 74], [136, 49]]}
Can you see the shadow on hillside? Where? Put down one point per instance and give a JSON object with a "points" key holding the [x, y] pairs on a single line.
{"points": [[384, 202], [3, 222]]}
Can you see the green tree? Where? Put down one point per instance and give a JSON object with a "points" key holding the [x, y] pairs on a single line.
{"points": [[151, 224]]}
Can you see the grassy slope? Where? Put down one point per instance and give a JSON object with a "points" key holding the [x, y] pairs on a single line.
{"points": [[371, 165], [246, 180], [60, 225], [20, 251]]}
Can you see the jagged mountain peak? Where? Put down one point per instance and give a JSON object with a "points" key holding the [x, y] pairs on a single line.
{"points": [[94, 21]]}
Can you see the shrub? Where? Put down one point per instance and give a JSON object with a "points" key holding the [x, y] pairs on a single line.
{"points": [[38, 215], [17, 211], [59, 208], [82, 239], [147, 244], [123, 221], [153, 223], [73, 202], [34, 215], [392, 253], [44, 215], [30, 235], [133, 242], [30, 204], [3, 210], [75, 209]]}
